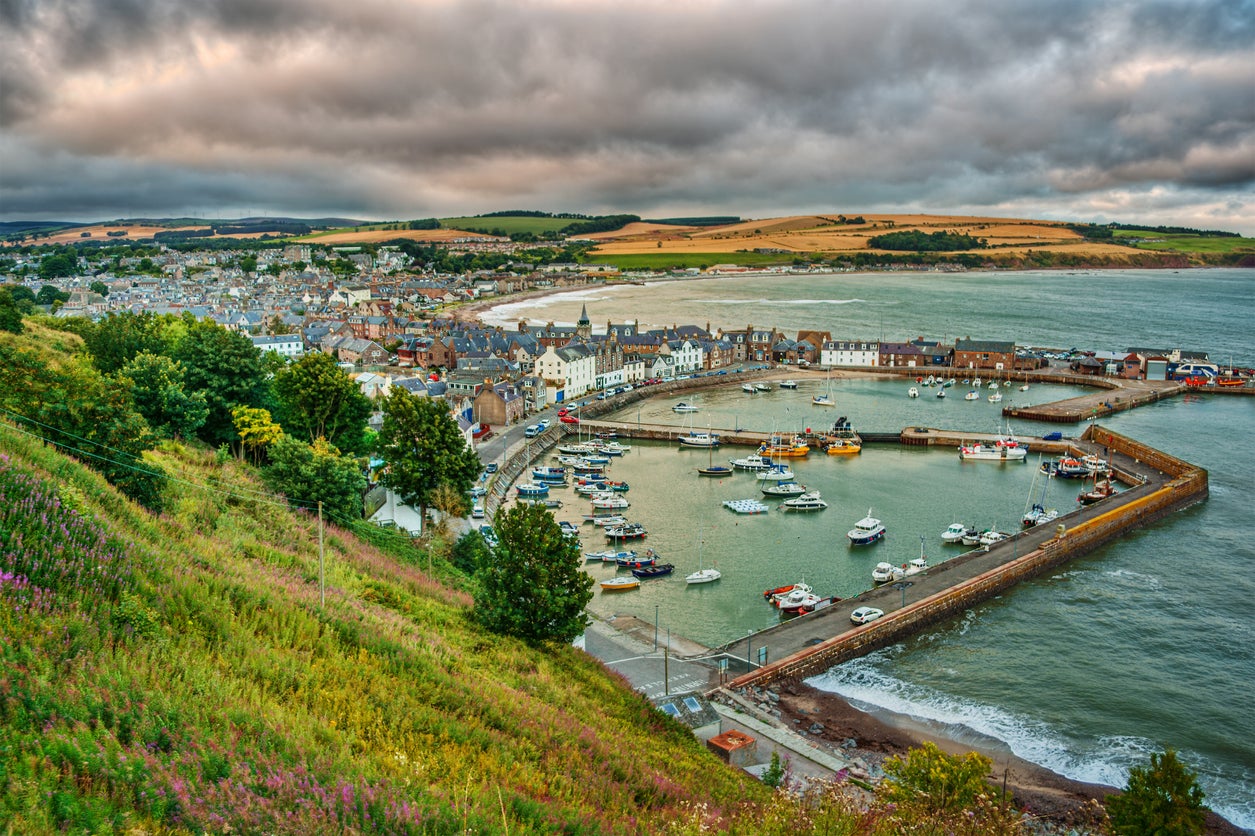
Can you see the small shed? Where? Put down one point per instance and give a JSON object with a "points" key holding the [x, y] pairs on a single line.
{"points": [[735, 747]]}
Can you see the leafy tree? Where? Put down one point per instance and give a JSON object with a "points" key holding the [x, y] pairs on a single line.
{"points": [[255, 429], [309, 473], [224, 366], [934, 783], [58, 265], [424, 449], [317, 398], [99, 287], [156, 383], [49, 295], [24, 297], [249, 263], [121, 337], [10, 313], [1163, 799], [549, 607], [469, 552]]}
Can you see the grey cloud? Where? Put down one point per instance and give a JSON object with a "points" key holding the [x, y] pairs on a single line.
{"points": [[392, 110]]}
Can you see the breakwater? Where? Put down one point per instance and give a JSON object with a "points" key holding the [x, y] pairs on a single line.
{"points": [[815, 642]]}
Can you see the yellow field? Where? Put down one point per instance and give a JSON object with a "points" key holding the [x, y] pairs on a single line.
{"points": [[99, 232], [375, 236]]}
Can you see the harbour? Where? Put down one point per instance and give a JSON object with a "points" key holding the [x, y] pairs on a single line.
{"points": [[1140, 614]]}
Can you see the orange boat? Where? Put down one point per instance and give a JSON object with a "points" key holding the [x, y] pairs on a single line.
{"points": [[1231, 381]]}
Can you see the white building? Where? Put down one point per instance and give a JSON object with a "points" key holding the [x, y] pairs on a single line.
{"points": [[570, 370], [850, 353], [287, 345], [686, 356]]}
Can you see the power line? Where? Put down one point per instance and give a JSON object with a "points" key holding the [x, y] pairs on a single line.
{"points": [[253, 496]]}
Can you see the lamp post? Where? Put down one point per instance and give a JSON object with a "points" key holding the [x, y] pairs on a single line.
{"points": [[901, 586], [655, 627], [748, 635]]}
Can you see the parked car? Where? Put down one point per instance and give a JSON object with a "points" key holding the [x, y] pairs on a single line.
{"points": [[563, 411], [862, 615], [568, 419], [477, 513], [543, 423], [532, 431], [491, 467]]}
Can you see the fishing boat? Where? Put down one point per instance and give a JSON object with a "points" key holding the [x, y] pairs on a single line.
{"points": [[996, 397], [842, 447], [638, 562], [549, 474], [783, 489], [971, 537], [1005, 448], [627, 531], [954, 533], [809, 501], [608, 556], [609, 502], [941, 393], [886, 572], [684, 407], [605, 520], [788, 384], [1099, 492], [762, 387], [751, 462], [972, 395], [778, 446], [1066, 467], [532, 489], [771, 596], [990, 536], [866, 531], [748, 387], [620, 584], [912, 392], [797, 598]]}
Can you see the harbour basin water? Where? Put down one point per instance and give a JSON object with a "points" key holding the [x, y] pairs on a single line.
{"points": [[1146, 643]]}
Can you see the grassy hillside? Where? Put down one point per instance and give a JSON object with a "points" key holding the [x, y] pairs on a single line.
{"points": [[1149, 239], [176, 673], [508, 224]]}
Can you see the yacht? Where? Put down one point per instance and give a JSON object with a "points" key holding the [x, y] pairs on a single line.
{"points": [[809, 501], [776, 473], [953, 534], [788, 384], [751, 462], [684, 407], [867, 530], [785, 489]]}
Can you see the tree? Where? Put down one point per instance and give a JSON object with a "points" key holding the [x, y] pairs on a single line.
{"points": [[224, 366], [121, 337], [49, 295], [310, 473], [424, 449], [532, 585], [255, 429], [156, 383], [99, 287], [1163, 799], [469, 552], [316, 398], [10, 313], [934, 783]]}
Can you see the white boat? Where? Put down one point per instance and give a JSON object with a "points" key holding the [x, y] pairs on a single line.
{"points": [[996, 397], [684, 407], [1096, 465], [703, 574], [748, 387], [886, 572], [809, 501], [609, 501], [971, 537], [575, 449], [751, 462], [1003, 449], [610, 556], [1039, 515], [532, 489], [930, 381], [993, 384], [953, 534], [605, 520], [912, 392], [867, 530], [822, 400], [1024, 388], [941, 393], [762, 387], [991, 536], [1036, 512], [784, 489], [699, 440], [776, 473], [798, 597], [788, 384], [972, 395]]}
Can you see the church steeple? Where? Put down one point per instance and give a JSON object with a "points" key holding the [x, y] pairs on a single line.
{"points": [[584, 325]]}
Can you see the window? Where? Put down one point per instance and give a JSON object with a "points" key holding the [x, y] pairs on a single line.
{"points": [[692, 704], [670, 708]]}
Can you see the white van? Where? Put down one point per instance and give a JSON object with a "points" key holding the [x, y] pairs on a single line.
{"points": [[532, 430]]}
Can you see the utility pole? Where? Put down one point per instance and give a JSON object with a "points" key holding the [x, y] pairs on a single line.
{"points": [[322, 586]]}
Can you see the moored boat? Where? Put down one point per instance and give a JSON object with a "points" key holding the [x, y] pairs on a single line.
{"points": [[1099, 492], [778, 447], [703, 576], [783, 489], [609, 502], [954, 533], [797, 598], [775, 473], [751, 462], [972, 395], [627, 531], [620, 584], [866, 531], [695, 439], [608, 556], [532, 489], [684, 407], [912, 392], [886, 572], [809, 501], [788, 384], [842, 447]]}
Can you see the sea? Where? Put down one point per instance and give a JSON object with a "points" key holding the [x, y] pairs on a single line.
{"points": [[1144, 644]]}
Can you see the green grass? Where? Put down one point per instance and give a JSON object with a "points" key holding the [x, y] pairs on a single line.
{"points": [[509, 224], [665, 261], [1180, 243]]}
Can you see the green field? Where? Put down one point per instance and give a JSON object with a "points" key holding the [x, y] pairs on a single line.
{"points": [[664, 261], [509, 224], [1181, 243]]}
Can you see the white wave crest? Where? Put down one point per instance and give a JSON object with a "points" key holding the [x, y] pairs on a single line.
{"points": [[774, 303]]}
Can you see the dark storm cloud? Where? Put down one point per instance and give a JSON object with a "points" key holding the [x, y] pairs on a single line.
{"points": [[400, 109]]}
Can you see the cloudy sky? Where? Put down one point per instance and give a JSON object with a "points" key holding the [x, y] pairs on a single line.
{"points": [[383, 109]]}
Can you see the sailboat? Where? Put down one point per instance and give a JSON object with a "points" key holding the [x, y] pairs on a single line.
{"points": [[826, 398], [1037, 514], [712, 469], [702, 575]]}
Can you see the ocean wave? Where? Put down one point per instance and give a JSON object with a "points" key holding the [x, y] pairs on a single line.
{"points": [[1106, 760], [782, 303]]}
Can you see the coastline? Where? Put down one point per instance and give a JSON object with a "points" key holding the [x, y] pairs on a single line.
{"points": [[882, 734]]}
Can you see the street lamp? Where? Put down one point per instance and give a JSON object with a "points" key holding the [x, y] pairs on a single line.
{"points": [[655, 627], [901, 586]]}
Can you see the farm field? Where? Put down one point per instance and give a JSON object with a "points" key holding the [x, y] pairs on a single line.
{"points": [[1181, 243]]}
